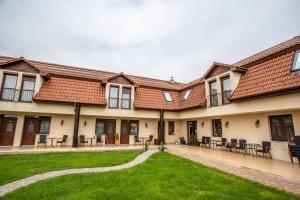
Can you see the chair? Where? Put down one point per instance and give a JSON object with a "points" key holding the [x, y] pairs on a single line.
{"points": [[265, 150], [182, 140], [137, 140], [297, 140], [241, 146], [204, 141], [294, 151], [42, 140], [98, 139], [232, 144], [62, 140], [82, 140], [150, 139], [222, 144]]}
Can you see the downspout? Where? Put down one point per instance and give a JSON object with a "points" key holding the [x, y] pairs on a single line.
{"points": [[76, 125], [161, 128]]}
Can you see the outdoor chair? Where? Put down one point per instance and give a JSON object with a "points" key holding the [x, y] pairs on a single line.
{"points": [[62, 140], [82, 140], [222, 144], [137, 140], [265, 150], [232, 144], [149, 140], [241, 146], [297, 140], [99, 139], [42, 140], [294, 151], [204, 141], [182, 140]]}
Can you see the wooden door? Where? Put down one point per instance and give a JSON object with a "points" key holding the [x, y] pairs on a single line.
{"points": [[110, 131], [192, 135], [31, 128], [7, 132], [125, 130]]}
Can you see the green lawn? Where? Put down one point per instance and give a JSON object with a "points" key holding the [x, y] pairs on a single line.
{"points": [[13, 167], [162, 176]]}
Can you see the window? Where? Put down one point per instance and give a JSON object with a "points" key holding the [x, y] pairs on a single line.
{"points": [[27, 88], [9, 87], [226, 90], [167, 95], [134, 127], [126, 98], [186, 95], [282, 128], [217, 127], [113, 97], [99, 127], [45, 125], [171, 127], [213, 93], [296, 65]]}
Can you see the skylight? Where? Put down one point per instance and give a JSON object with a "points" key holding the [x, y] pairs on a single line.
{"points": [[186, 94], [167, 96], [296, 66]]}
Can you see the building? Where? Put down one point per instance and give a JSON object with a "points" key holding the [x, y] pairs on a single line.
{"points": [[256, 99]]}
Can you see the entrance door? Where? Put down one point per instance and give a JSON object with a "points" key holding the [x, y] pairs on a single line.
{"points": [[110, 131], [192, 132], [7, 131], [125, 130], [31, 128]]}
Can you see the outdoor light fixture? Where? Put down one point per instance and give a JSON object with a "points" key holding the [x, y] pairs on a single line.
{"points": [[202, 124], [85, 123], [62, 122], [257, 123], [227, 124], [146, 125]]}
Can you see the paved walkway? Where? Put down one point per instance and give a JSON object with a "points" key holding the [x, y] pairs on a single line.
{"points": [[192, 153], [4, 189]]}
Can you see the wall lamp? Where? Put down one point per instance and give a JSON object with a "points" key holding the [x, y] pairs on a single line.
{"points": [[202, 124], [146, 125], [257, 123], [85, 123], [62, 122], [226, 124]]}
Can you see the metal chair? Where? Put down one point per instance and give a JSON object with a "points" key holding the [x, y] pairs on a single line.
{"points": [[62, 140], [204, 141], [149, 140], [99, 139], [232, 144], [42, 140], [137, 140], [294, 151], [265, 150], [222, 144], [241, 146], [82, 140]]}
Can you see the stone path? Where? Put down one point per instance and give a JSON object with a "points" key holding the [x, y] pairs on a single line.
{"points": [[282, 183], [4, 189]]}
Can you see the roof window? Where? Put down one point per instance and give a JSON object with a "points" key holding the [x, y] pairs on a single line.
{"points": [[168, 96], [186, 95], [296, 65]]}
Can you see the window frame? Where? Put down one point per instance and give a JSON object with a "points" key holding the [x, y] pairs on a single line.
{"points": [[100, 121], [41, 121], [130, 95], [185, 98], [164, 93], [30, 79], [210, 93], [137, 126], [296, 57], [3, 83], [222, 88], [171, 123], [281, 127], [213, 127], [109, 97]]}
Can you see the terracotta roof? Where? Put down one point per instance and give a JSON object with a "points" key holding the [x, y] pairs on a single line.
{"points": [[268, 77], [196, 98], [63, 89]]}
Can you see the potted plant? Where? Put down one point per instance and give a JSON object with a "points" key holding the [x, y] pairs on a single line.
{"points": [[117, 139]]}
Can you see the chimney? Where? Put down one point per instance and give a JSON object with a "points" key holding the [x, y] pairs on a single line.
{"points": [[172, 81]]}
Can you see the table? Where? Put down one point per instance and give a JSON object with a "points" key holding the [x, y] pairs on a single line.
{"points": [[251, 147], [91, 140], [214, 142], [52, 138], [143, 139]]}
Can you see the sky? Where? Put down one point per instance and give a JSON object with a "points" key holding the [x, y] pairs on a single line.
{"points": [[153, 38]]}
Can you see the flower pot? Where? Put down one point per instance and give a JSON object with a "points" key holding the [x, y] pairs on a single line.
{"points": [[117, 142]]}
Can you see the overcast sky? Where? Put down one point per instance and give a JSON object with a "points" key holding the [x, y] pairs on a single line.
{"points": [[155, 38]]}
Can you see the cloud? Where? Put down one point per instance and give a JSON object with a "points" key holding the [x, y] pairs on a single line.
{"points": [[156, 38]]}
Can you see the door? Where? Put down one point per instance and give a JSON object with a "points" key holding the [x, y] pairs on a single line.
{"points": [[192, 132], [7, 132], [125, 130], [31, 128], [110, 131]]}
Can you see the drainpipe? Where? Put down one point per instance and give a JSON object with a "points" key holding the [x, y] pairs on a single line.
{"points": [[161, 128], [76, 125]]}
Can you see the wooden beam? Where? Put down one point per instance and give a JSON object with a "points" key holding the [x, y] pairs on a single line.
{"points": [[161, 128], [76, 125]]}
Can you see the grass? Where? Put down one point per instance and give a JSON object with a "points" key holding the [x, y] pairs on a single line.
{"points": [[13, 167], [162, 176]]}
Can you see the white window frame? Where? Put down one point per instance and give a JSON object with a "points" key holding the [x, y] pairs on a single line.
{"points": [[167, 96], [296, 58], [186, 94]]}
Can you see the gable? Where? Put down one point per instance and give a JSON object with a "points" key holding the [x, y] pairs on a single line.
{"points": [[20, 66], [217, 70], [120, 80]]}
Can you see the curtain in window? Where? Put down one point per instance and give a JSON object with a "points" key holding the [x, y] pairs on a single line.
{"points": [[113, 97], [9, 87], [27, 91]]}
